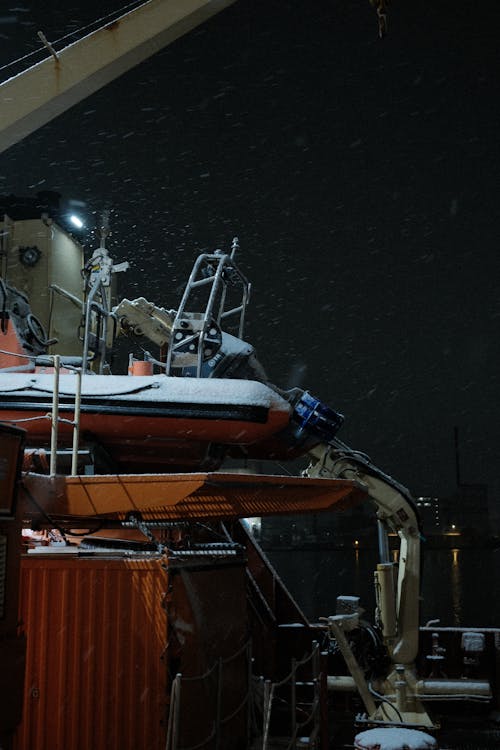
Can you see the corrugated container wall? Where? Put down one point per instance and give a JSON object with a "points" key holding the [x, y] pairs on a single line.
{"points": [[96, 672]]}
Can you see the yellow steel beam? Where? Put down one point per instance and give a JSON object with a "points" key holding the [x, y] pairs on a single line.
{"points": [[37, 95]]}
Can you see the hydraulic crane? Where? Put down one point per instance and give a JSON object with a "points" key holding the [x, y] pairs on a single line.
{"points": [[313, 430]]}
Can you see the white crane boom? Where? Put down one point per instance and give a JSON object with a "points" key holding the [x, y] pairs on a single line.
{"points": [[34, 97]]}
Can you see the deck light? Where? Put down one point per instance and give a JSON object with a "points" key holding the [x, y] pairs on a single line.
{"points": [[78, 223]]}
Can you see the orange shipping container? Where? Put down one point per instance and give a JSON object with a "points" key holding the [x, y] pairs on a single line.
{"points": [[95, 664]]}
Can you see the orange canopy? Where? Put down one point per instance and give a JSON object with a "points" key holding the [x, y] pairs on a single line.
{"points": [[186, 496]]}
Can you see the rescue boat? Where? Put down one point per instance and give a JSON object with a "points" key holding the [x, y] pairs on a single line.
{"points": [[148, 420], [202, 396]]}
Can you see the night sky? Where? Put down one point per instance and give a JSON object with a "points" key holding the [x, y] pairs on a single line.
{"points": [[362, 177]]}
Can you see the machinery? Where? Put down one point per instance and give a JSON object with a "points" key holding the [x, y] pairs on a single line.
{"points": [[313, 427]]}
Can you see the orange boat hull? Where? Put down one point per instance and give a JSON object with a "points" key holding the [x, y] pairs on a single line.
{"points": [[146, 421]]}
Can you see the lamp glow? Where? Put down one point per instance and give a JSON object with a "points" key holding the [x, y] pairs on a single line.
{"points": [[78, 223]]}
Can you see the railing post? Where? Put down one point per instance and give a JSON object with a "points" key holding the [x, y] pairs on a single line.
{"points": [[54, 417], [315, 659], [266, 713], [76, 422], [293, 704], [173, 719], [218, 707], [323, 702], [249, 689]]}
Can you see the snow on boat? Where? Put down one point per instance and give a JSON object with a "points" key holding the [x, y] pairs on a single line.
{"points": [[202, 395], [123, 414]]}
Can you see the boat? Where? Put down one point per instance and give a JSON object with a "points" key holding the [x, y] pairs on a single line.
{"points": [[208, 396], [147, 420]]}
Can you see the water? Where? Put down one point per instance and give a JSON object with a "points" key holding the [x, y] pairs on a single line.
{"points": [[459, 587]]}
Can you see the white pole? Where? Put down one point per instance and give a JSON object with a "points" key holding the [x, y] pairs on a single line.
{"points": [[54, 417], [76, 423]]}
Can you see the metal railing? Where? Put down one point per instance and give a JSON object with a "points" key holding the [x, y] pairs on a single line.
{"points": [[56, 419], [215, 736], [53, 415], [215, 273], [310, 720]]}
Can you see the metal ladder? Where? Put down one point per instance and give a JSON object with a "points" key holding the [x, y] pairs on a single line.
{"points": [[196, 336]]}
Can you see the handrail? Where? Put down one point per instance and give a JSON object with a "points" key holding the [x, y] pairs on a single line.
{"points": [[269, 693], [76, 422], [173, 728], [53, 415], [54, 431]]}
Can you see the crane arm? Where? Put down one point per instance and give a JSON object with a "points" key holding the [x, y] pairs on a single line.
{"points": [[34, 97], [396, 512]]}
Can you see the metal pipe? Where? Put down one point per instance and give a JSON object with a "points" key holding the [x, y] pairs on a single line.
{"points": [[76, 423], [323, 702], [72, 297], [266, 713], [173, 719], [249, 692], [293, 704], [218, 708], [400, 689], [352, 665], [54, 417], [315, 659], [430, 689], [386, 599], [383, 542], [341, 683]]}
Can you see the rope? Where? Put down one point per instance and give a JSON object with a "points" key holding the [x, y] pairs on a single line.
{"points": [[314, 708], [236, 711], [16, 354], [298, 664], [314, 705], [236, 654], [202, 743], [30, 419], [176, 689], [201, 676]]}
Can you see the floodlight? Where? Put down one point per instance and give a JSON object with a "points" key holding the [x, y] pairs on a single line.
{"points": [[78, 223]]}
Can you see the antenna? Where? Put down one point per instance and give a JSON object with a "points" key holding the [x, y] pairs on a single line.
{"points": [[234, 247], [104, 230]]}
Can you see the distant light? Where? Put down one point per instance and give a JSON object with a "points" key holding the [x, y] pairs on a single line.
{"points": [[78, 223], [356, 542]]}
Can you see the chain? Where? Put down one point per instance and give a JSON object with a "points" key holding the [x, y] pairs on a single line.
{"points": [[144, 528]]}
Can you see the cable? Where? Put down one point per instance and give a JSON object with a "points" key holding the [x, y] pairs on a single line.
{"points": [[101, 21], [15, 354], [384, 700], [211, 530], [43, 512]]}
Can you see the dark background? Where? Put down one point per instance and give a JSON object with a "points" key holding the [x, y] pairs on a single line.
{"points": [[361, 176]]}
